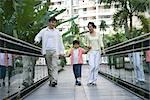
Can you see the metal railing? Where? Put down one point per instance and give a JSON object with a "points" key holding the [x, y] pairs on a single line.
{"points": [[126, 64], [22, 75]]}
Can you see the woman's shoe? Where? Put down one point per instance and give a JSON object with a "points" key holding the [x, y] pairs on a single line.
{"points": [[89, 84]]}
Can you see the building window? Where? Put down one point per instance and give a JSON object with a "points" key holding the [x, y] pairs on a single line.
{"points": [[75, 11], [59, 3], [107, 16], [84, 18], [94, 17], [107, 6], [68, 11], [94, 8], [84, 9]]}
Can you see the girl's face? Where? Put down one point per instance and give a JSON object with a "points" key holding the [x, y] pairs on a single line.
{"points": [[76, 45], [90, 27]]}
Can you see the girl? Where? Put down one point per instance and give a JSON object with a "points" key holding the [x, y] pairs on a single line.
{"points": [[77, 60]]}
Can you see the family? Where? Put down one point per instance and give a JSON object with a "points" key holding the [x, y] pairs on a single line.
{"points": [[53, 48]]}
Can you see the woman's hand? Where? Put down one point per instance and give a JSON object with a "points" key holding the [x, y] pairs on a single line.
{"points": [[89, 47]]}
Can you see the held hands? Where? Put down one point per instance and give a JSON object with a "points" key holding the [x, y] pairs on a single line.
{"points": [[88, 47], [61, 56]]}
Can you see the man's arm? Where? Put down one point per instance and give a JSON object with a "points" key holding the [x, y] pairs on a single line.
{"points": [[38, 37], [61, 45]]}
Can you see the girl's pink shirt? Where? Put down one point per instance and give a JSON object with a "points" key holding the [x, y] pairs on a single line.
{"points": [[80, 58], [148, 56]]}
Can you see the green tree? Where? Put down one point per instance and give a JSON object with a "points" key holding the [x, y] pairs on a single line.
{"points": [[25, 18], [129, 8], [73, 34], [103, 26], [110, 40]]}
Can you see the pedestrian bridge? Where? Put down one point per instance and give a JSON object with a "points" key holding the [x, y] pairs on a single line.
{"points": [[67, 90], [26, 77]]}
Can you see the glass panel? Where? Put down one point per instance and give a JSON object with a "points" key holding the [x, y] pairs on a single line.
{"points": [[133, 67], [19, 71]]}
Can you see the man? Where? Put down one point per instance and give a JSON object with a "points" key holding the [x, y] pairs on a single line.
{"points": [[52, 48]]}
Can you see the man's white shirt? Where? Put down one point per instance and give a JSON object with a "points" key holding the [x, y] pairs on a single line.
{"points": [[51, 40]]}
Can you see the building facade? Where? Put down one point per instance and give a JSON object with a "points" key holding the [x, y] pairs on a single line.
{"points": [[88, 11]]}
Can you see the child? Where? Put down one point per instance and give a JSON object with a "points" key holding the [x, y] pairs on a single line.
{"points": [[5, 65], [77, 60], [148, 59]]}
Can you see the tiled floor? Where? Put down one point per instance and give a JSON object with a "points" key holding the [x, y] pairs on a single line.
{"points": [[66, 90]]}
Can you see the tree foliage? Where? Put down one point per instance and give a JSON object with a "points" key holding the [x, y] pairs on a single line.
{"points": [[23, 19], [124, 16]]}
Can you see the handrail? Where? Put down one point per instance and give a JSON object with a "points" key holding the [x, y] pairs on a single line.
{"points": [[132, 45], [16, 43], [16, 46], [129, 44], [18, 40], [130, 40]]}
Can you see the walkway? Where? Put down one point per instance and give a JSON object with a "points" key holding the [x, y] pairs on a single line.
{"points": [[66, 90]]}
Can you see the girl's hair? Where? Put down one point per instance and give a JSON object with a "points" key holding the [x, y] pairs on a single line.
{"points": [[76, 42], [91, 23]]}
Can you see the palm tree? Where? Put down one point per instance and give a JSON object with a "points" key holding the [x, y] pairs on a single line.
{"points": [[129, 9], [73, 34], [25, 18], [103, 26]]}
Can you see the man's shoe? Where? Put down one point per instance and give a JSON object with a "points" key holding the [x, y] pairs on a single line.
{"points": [[54, 84], [89, 84], [93, 84], [76, 82], [3, 83]]}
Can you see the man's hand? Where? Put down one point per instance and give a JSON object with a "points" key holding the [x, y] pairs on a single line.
{"points": [[36, 42], [103, 51], [61, 56]]}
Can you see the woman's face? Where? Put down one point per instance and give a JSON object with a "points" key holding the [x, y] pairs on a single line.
{"points": [[90, 27]]}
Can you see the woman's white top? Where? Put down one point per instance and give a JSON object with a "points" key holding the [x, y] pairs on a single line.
{"points": [[94, 41]]}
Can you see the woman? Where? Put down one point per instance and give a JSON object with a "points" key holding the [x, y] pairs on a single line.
{"points": [[95, 43]]}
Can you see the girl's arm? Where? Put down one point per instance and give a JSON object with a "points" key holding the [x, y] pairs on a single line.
{"points": [[68, 54], [84, 51]]}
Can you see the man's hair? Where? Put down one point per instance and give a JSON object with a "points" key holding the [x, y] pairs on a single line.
{"points": [[52, 19], [76, 42]]}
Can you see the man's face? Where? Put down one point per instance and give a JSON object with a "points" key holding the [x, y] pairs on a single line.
{"points": [[52, 24]]}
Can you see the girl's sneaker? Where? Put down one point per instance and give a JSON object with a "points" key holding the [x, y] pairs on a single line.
{"points": [[78, 83]]}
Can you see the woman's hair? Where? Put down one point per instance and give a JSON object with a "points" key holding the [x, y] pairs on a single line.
{"points": [[91, 23], [76, 42]]}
